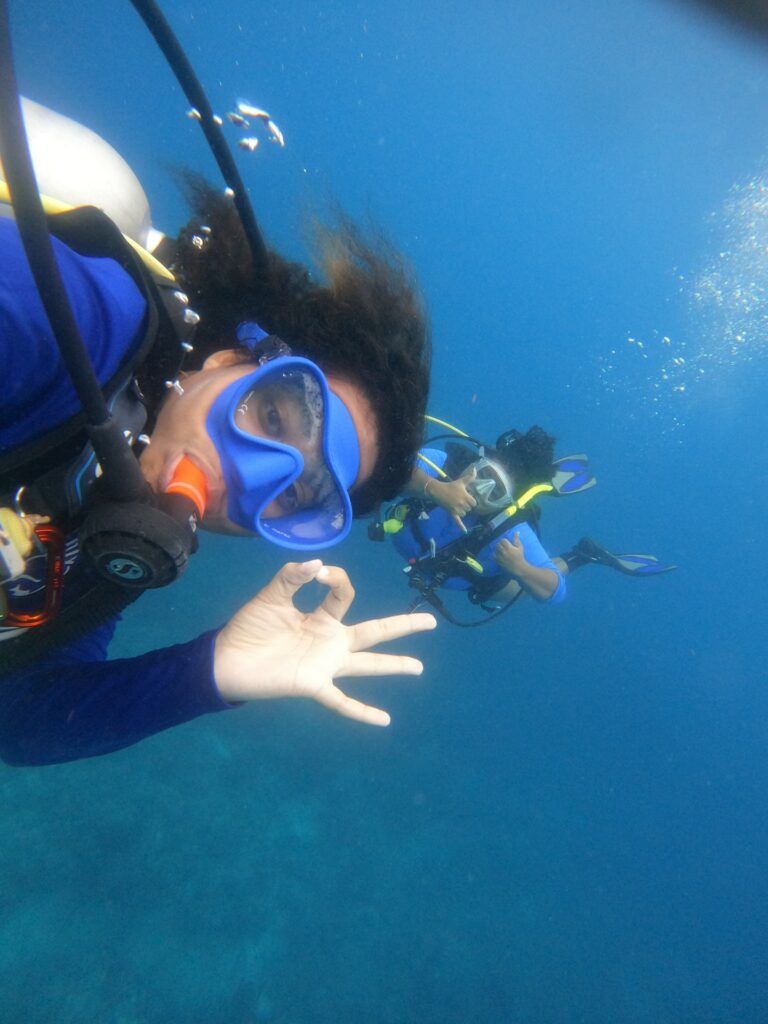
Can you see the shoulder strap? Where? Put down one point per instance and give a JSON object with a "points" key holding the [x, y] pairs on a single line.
{"points": [[500, 525]]}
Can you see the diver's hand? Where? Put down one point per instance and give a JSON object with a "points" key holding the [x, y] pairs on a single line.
{"points": [[510, 556], [453, 495], [539, 581], [271, 649]]}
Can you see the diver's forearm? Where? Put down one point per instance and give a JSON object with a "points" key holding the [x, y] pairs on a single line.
{"points": [[540, 583], [64, 710], [419, 480]]}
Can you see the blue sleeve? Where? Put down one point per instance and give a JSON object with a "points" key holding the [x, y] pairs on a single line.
{"points": [[537, 555], [71, 707], [36, 393]]}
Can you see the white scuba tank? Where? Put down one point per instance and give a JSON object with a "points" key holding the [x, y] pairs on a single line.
{"points": [[76, 166]]}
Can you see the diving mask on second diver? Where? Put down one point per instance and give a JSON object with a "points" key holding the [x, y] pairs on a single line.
{"points": [[289, 453], [492, 487]]}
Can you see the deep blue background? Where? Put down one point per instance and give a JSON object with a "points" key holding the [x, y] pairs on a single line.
{"points": [[566, 820]]}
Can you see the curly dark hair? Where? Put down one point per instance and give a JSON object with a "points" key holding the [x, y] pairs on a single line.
{"points": [[367, 324], [529, 457]]}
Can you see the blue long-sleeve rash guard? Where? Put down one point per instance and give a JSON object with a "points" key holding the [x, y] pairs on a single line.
{"points": [[75, 704], [36, 393]]}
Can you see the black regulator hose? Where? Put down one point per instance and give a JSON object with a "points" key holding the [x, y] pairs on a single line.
{"points": [[165, 38]]}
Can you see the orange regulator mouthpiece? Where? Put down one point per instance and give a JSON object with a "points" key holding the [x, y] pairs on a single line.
{"points": [[189, 481]]}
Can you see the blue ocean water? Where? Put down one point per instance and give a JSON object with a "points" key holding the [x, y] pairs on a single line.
{"points": [[566, 821]]}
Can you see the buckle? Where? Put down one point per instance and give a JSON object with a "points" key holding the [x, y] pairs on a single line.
{"points": [[52, 539]]}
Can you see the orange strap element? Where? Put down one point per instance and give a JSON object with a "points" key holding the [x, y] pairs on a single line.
{"points": [[190, 481], [52, 539]]}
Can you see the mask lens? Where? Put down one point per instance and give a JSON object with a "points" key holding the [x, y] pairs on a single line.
{"points": [[491, 484], [287, 407], [491, 487]]}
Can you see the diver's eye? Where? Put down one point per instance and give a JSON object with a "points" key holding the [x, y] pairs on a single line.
{"points": [[273, 423], [289, 499]]}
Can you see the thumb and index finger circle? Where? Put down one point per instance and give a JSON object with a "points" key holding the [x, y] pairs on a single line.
{"points": [[290, 579], [341, 594]]}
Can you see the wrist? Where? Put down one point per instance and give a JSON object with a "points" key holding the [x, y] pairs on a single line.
{"points": [[219, 673], [524, 569]]}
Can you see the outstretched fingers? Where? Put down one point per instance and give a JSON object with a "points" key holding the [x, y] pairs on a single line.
{"points": [[378, 631], [331, 697], [369, 663], [460, 523]]}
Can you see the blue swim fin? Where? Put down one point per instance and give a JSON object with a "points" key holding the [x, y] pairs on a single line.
{"points": [[641, 565], [572, 475], [587, 550]]}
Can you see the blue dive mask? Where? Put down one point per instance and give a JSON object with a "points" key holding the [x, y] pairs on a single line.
{"points": [[288, 450]]}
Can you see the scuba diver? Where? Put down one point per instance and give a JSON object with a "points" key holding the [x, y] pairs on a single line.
{"points": [[469, 521], [283, 429]]}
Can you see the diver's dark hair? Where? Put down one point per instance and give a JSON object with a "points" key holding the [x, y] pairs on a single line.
{"points": [[366, 324], [529, 457]]}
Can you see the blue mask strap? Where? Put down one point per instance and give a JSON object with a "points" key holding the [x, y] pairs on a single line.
{"points": [[250, 334]]}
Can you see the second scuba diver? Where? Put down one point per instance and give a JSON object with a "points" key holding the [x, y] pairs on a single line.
{"points": [[283, 429], [470, 522]]}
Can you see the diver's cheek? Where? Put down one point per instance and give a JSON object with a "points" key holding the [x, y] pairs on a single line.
{"points": [[221, 524]]}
